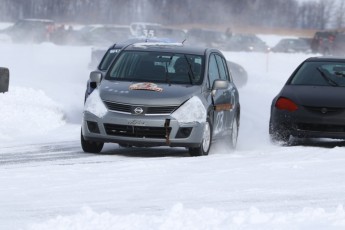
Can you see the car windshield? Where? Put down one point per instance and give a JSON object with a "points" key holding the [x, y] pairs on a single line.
{"points": [[157, 67], [320, 74]]}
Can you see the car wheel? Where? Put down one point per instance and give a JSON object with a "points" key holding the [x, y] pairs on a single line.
{"points": [[91, 146], [278, 136], [234, 134], [205, 144]]}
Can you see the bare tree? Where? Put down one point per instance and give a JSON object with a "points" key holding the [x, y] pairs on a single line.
{"points": [[339, 15], [268, 13]]}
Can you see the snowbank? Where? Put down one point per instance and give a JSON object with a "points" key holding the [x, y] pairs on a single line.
{"points": [[26, 112], [180, 217]]}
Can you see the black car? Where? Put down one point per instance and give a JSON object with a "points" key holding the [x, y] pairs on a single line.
{"points": [[206, 37], [322, 41], [31, 30], [245, 42], [102, 35], [292, 45], [338, 48], [238, 73], [311, 103]]}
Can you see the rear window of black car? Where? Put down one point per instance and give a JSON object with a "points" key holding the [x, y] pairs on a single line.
{"points": [[320, 74], [160, 67]]}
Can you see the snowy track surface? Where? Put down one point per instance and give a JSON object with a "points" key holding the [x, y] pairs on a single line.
{"points": [[48, 182]]}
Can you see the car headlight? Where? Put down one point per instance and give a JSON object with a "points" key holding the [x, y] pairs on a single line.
{"points": [[95, 105], [192, 110]]}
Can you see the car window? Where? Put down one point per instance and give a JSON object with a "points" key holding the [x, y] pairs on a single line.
{"points": [[320, 74], [222, 69], [108, 57], [213, 73], [157, 67]]}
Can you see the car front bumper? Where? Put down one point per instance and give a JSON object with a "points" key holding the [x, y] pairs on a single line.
{"points": [[141, 130]]}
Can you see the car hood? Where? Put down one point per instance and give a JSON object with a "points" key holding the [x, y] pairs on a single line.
{"points": [[144, 93], [317, 96]]}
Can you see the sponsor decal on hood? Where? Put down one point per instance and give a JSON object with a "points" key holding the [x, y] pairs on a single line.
{"points": [[145, 86]]}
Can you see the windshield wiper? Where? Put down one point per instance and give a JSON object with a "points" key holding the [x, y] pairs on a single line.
{"points": [[190, 72], [327, 78]]}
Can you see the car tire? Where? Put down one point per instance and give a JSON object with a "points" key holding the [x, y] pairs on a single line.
{"points": [[90, 146], [206, 142], [278, 136], [282, 138], [234, 133]]}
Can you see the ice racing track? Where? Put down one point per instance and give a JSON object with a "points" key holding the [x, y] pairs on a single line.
{"points": [[53, 152], [46, 177], [50, 153], [46, 180]]}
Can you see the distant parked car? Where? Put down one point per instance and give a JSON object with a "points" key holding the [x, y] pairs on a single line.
{"points": [[311, 103], [31, 30], [174, 34], [338, 48], [322, 41], [4, 79], [239, 74], [103, 35], [292, 45], [245, 42], [206, 37], [162, 94], [145, 29]]}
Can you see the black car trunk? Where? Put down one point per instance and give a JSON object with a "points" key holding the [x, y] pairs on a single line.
{"points": [[316, 96]]}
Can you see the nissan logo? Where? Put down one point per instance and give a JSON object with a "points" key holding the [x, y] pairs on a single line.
{"points": [[138, 110]]}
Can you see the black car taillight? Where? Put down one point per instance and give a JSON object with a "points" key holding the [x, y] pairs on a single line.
{"points": [[286, 104]]}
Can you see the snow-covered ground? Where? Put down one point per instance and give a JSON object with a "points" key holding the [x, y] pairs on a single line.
{"points": [[258, 186]]}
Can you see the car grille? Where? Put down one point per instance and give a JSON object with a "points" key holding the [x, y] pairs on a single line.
{"points": [[321, 128], [325, 110], [148, 110], [136, 131], [118, 107]]}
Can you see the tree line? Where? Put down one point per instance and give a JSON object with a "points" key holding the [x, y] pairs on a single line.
{"points": [[317, 14]]}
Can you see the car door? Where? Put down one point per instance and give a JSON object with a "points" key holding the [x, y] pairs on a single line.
{"points": [[231, 94], [221, 98]]}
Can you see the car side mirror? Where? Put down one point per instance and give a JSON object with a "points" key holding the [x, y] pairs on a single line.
{"points": [[4, 79], [96, 76], [219, 84]]}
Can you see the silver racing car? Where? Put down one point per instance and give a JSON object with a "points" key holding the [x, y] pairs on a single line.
{"points": [[162, 94]]}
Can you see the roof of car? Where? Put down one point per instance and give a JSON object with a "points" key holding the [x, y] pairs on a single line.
{"points": [[326, 58], [140, 39], [167, 47]]}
